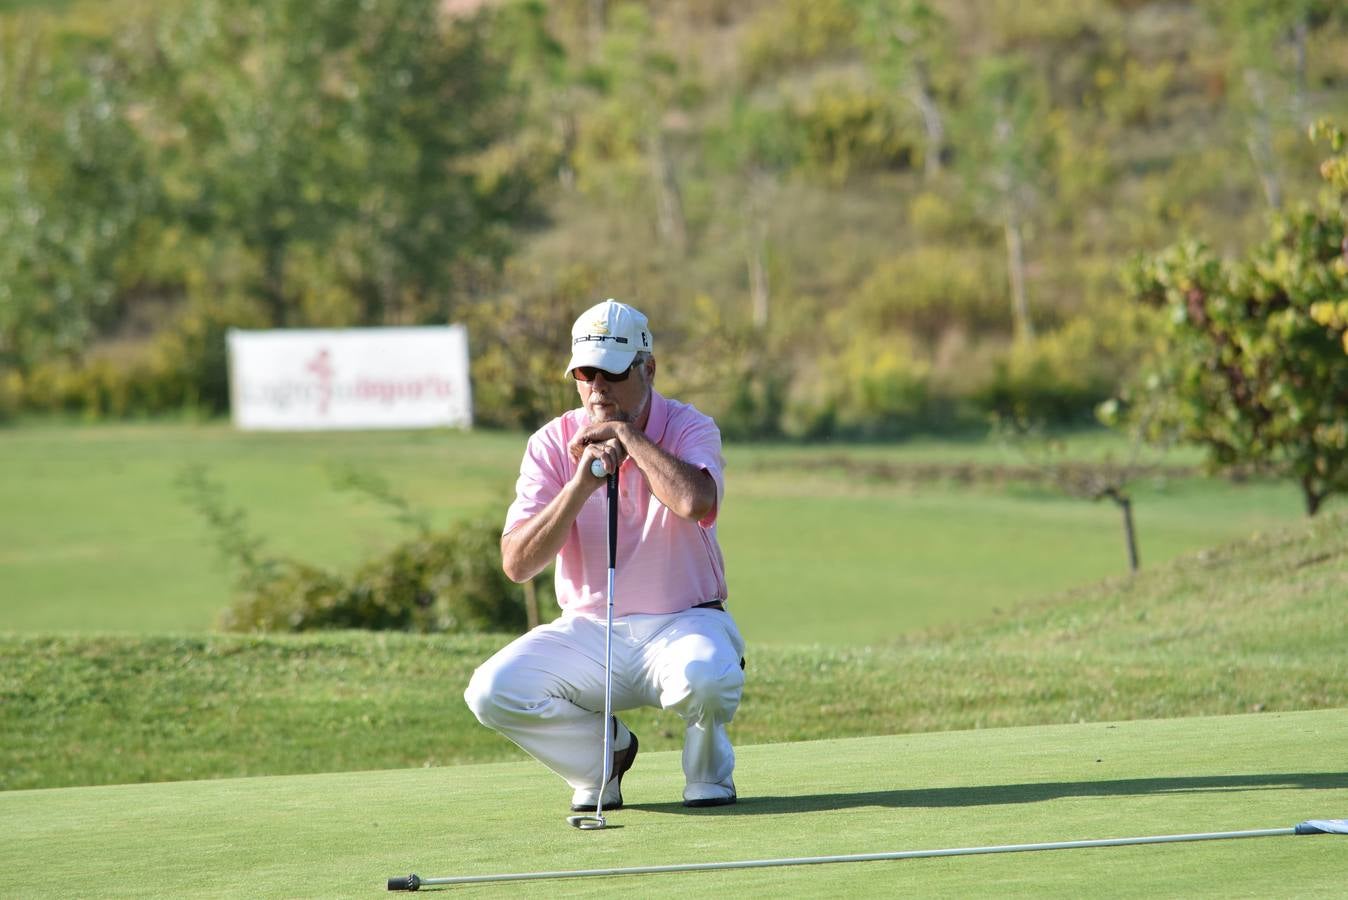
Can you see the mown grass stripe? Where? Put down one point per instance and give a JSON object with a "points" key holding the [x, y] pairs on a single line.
{"points": [[344, 834]]}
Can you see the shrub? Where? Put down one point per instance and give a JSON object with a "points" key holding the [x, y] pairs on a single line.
{"points": [[756, 404], [876, 387], [1063, 375], [935, 216], [796, 32], [11, 389], [848, 129], [933, 289], [183, 367], [286, 595], [449, 581], [188, 362], [446, 582], [885, 389]]}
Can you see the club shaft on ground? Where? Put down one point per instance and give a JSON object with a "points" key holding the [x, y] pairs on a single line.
{"points": [[861, 857]]}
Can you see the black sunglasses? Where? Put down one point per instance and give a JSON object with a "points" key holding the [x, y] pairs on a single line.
{"points": [[588, 373]]}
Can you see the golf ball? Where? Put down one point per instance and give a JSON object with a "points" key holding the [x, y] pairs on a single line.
{"points": [[597, 468]]}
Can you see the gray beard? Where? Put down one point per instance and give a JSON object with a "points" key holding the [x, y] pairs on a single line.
{"points": [[632, 417]]}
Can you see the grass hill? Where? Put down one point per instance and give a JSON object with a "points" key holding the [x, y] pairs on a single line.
{"points": [[1254, 626], [101, 537]]}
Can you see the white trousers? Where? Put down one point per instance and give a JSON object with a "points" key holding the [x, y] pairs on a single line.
{"points": [[545, 690]]}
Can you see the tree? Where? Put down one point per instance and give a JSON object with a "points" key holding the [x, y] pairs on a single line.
{"points": [[1242, 367], [904, 42], [1106, 479], [1331, 314], [640, 84], [1005, 149], [1267, 56], [757, 147], [351, 149], [74, 191]]}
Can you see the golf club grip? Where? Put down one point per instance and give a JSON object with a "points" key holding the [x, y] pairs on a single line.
{"points": [[405, 883], [613, 520]]}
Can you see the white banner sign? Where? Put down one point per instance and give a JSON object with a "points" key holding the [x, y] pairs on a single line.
{"points": [[352, 378]]}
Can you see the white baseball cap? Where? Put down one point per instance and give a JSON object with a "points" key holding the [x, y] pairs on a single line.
{"points": [[608, 336]]}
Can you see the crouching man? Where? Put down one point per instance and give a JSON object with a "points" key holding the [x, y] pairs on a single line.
{"points": [[674, 644]]}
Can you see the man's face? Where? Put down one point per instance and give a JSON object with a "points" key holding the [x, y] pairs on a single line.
{"points": [[617, 401]]}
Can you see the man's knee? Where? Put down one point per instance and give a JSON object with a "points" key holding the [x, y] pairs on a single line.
{"points": [[483, 695], [714, 684]]}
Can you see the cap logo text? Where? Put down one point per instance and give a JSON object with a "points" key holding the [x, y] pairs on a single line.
{"points": [[600, 338]]}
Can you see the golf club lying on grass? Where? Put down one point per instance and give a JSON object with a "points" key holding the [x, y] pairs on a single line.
{"points": [[597, 821], [1313, 826]]}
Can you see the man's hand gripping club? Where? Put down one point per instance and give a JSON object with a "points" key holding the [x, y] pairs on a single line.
{"points": [[530, 546], [600, 457]]}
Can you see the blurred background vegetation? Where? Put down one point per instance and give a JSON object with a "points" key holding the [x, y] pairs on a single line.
{"points": [[845, 218]]}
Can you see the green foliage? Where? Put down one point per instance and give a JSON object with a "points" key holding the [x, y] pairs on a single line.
{"points": [[909, 49], [516, 382], [796, 32], [933, 289], [1134, 94], [182, 368], [1005, 140], [1062, 375], [326, 163], [622, 150], [1244, 368], [846, 129], [935, 217], [903, 39], [74, 192], [757, 405], [755, 139], [448, 581], [1334, 169], [336, 132], [876, 386], [11, 386], [1052, 22]]}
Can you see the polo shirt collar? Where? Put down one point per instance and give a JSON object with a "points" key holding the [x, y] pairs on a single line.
{"points": [[659, 418]]}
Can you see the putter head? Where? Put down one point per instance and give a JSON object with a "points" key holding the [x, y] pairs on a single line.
{"points": [[587, 823]]}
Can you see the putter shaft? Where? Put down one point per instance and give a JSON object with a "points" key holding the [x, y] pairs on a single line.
{"points": [[597, 821]]}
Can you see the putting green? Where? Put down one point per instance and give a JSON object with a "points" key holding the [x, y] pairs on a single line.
{"points": [[344, 835]]}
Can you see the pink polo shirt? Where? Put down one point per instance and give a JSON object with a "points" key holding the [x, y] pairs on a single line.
{"points": [[665, 563]]}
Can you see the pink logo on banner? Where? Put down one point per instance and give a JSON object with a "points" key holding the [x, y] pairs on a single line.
{"points": [[321, 365]]}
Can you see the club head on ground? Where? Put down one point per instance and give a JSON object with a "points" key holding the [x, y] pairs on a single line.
{"points": [[587, 823]]}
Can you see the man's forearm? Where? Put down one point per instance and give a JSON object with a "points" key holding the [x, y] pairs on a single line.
{"points": [[528, 548], [685, 489]]}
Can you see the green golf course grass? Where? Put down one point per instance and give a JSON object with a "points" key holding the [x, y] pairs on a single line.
{"points": [[932, 664], [344, 835], [96, 537]]}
